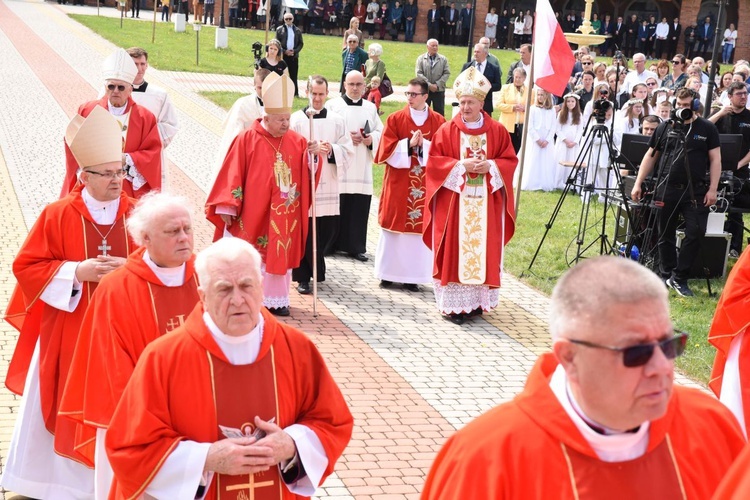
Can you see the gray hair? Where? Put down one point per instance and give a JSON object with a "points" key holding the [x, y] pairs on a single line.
{"points": [[224, 250], [376, 49], [482, 46], [519, 70], [152, 205], [584, 294]]}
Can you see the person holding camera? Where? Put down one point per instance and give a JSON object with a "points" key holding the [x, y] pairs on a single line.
{"points": [[684, 190]]}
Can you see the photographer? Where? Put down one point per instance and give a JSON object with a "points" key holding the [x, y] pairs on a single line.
{"points": [[685, 190], [735, 119]]}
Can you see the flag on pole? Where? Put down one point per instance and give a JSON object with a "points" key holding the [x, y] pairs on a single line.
{"points": [[553, 59]]}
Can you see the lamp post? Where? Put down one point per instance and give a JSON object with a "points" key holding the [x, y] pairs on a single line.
{"points": [[470, 40], [221, 16]]}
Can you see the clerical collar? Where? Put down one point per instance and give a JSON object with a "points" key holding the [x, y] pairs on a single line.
{"points": [[616, 447], [169, 276], [474, 125], [419, 117], [319, 115], [103, 212], [141, 87], [254, 334], [349, 102], [115, 110]]}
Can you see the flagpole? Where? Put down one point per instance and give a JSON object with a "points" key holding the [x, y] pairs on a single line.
{"points": [[526, 114]]}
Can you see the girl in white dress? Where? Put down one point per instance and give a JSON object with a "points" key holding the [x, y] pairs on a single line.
{"points": [[539, 163], [568, 129], [628, 120]]}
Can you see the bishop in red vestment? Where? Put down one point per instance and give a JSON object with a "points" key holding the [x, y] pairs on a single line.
{"points": [[469, 212], [402, 256], [262, 192], [730, 377], [182, 428], [599, 417], [149, 296], [736, 483], [141, 144], [74, 242]]}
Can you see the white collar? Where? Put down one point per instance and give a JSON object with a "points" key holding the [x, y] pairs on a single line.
{"points": [[419, 117], [169, 276], [241, 350], [103, 212], [617, 447], [475, 125], [115, 110]]}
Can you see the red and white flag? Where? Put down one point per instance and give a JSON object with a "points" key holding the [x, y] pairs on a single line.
{"points": [[553, 58]]}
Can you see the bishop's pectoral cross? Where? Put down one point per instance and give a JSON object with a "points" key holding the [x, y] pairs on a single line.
{"points": [[250, 486], [104, 247]]}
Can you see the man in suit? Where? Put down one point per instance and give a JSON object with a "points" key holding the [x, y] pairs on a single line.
{"points": [[606, 29], [433, 22], [466, 15], [490, 72], [705, 36], [290, 37], [450, 19], [618, 31], [675, 29], [631, 35], [691, 33]]}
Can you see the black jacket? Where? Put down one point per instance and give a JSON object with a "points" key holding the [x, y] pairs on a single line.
{"points": [[281, 37]]}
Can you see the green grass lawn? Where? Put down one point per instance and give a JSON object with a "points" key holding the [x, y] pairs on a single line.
{"points": [[176, 52], [321, 54]]}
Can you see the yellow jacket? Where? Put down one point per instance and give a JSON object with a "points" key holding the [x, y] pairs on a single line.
{"points": [[509, 97]]}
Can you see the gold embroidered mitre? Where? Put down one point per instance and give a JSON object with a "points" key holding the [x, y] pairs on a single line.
{"points": [[278, 94], [96, 139], [119, 66], [471, 82]]}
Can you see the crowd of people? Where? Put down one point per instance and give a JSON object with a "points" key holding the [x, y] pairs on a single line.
{"points": [[118, 407]]}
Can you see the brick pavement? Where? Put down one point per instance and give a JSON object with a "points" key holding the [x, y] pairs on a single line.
{"points": [[409, 376]]}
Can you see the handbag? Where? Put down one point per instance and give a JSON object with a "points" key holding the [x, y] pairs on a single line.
{"points": [[378, 20], [386, 87]]}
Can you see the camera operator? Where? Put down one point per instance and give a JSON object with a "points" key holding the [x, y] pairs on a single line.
{"points": [[734, 118], [686, 190]]}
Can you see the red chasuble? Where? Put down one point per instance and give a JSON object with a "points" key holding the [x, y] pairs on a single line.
{"points": [[170, 398], [131, 308], [401, 208], [143, 144], [441, 220], [271, 193], [529, 448], [732, 317], [736, 484], [63, 232]]}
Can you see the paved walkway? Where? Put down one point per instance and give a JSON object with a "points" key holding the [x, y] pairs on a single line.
{"points": [[410, 377]]}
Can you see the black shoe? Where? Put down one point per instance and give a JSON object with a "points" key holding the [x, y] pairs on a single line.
{"points": [[386, 284], [304, 288], [457, 319], [734, 254], [279, 311], [476, 312], [680, 287], [359, 256], [412, 287]]}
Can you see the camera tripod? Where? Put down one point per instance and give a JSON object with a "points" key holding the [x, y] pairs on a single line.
{"points": [[584, 177]]}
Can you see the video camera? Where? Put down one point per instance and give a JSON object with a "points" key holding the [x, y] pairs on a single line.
{"points": [[678, 116], [257, 53], [600, 108]]}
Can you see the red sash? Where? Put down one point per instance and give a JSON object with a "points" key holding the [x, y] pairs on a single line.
{"points": [[594, 479], [241, 392], [171, 304]]}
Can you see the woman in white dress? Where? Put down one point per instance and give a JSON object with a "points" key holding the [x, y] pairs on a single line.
{"points": [[540, 172], [568, 129], [628, 121], [490, 26]]}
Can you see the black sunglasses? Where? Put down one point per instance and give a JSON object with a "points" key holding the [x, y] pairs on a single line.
{"points": [[639, 355], [111, 87]]}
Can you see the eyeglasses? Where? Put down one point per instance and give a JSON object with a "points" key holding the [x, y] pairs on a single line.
{"points": [[111, 87], [741, 94], [676, 62], [638, 355], [587, 63], [288, 19], [109, 175], [413, 94], [651, 84], [352, 41]]}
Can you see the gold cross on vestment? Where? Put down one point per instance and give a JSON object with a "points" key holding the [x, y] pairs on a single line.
{"points": [[250, 486]]}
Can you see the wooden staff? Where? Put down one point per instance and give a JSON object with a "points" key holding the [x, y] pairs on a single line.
{"points": [[310, 113]]}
